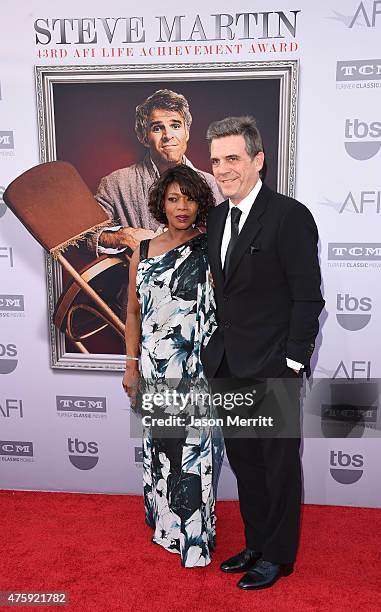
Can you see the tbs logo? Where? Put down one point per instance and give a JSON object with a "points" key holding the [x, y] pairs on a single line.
{"points": [[362, 139], [8, 361], [351, 311], [83, 455], [345, 468]]}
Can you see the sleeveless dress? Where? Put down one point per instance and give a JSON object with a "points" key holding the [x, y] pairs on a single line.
{"points": [[177, 314]]}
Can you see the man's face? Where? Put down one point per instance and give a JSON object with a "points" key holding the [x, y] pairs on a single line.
{"points": [[234, 170], [167, 136]]}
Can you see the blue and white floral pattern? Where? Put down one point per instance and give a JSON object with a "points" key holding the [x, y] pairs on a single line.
{"points": [[177, 314]]}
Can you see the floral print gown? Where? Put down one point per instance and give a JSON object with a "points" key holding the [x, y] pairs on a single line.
{"points": [[177, 315]]}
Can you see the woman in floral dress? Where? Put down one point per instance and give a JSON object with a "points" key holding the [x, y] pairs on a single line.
{"points": [[171, 314]]}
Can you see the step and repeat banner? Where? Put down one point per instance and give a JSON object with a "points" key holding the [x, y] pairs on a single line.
{"points": [[73, 77]]}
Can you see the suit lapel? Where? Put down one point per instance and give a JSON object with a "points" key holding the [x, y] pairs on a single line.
{"points": [[250, 230], [215, 229]]}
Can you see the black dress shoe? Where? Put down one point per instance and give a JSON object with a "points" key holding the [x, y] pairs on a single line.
{"points": [[263, 575], [241, 562]]}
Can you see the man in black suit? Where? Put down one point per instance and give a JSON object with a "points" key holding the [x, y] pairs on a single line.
{"points": [[264, 264]]}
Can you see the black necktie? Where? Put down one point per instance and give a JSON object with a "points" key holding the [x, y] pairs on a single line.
{"points": [[235, 214]]}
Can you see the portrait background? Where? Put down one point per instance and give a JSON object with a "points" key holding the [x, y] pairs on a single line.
{"points": [[94, 122], [87, 117]]}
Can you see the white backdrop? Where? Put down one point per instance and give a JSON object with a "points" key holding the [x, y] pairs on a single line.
{"points": [[337, 176]]}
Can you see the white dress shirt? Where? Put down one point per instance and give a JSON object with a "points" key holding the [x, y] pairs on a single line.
{"points": [[245, 208]]}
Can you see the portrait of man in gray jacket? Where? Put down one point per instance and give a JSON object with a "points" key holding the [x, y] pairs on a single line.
{"points": [[162, 125]]}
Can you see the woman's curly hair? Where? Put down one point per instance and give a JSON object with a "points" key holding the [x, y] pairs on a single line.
{"points": [[191, 183]]}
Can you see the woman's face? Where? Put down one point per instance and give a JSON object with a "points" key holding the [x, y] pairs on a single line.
{"points": [[181, 210]]}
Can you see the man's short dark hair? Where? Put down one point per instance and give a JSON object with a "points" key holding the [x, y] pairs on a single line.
{"points": [[191, 183], [237, 126], [165, 99]]}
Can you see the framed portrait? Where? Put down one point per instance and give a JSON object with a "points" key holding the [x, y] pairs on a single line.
{"points": [[86, 116]]}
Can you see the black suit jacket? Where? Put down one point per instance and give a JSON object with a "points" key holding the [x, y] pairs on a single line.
{"points": [[268, 306]]}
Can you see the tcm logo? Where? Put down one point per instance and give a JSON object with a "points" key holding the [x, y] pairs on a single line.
{"points": [[83, 405], [362, 140], [345, 468], [10, 448], [355, 369], [6, 140], [353, 313], [11, 407], [7, 254], [11, 305], [353, 403], [354, 251], [358, 70], [83, 455], [138, 454], [3, 208], [347, 413], [8, 361]]}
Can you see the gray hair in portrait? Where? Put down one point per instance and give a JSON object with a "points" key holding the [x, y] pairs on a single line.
{"points": [[164, 99], [237, 126]]}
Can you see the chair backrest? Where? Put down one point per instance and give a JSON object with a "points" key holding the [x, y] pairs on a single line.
{"points": [[55, 205]]}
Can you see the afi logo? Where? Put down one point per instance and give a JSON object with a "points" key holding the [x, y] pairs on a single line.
{"points": [[361, 203], [369, 17], [348, 308], [362, 139], [8, 361], [356, 369], [345, 468], [367, 201], [83, 455], [10, 406]]}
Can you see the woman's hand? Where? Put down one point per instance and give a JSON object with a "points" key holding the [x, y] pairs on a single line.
{"points": [[131, 382]]}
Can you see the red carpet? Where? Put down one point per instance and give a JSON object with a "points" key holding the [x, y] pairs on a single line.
{"points": [[98, 548]]}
